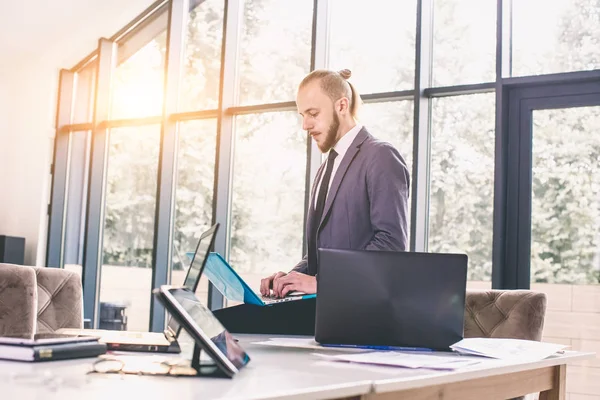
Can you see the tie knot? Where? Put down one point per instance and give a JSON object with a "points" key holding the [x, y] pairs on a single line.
{"points": [[332, 155]]}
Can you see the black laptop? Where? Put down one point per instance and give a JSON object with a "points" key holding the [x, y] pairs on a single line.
{"points": [[387, 298], [162, 342]]}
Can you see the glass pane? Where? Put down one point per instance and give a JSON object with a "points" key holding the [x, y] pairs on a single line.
{"points": [[76, 196], [129, 223], [462, 181], [565, 244], [274, 49], [202, 62], [464, 42], [83, 107], [194, 194], [268, 194], [376, 41], [392, 122], [565, 39], [138, 82]]}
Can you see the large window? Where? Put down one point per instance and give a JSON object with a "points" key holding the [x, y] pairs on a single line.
{"points": [[464, 41], [202, 63], [564, 37], [462, 180], [76, 196], [377, 46], [129, 221], [565, 243], [274, 49], [194, 192], [139, 82], [268, 194]]}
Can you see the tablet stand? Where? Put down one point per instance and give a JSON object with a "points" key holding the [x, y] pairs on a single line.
{"points": [[207, 368]]}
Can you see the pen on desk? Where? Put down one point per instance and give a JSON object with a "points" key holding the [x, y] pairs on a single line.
{"points": [[375, 347]]}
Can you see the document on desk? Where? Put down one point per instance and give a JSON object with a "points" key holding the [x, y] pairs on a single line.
{"points": [[299, 343], [405, 360], [310, 343], [507, 349]]}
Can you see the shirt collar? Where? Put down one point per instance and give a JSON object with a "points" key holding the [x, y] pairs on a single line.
{"points": [[342, 146]]}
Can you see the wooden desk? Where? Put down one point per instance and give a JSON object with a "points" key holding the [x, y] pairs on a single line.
{"points": [[491, 380], [278, 373]]}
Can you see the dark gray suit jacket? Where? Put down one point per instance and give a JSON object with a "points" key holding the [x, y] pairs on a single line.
{"points": [[367, 204]]}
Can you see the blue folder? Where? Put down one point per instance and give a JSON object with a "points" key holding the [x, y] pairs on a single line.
{"points": [[233, 287]]}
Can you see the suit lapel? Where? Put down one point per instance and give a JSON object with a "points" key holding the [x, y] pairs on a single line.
{"points": [[341, 171]]}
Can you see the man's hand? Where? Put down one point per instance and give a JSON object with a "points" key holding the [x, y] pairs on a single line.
{"points": [[267, 283], [294, 281]]}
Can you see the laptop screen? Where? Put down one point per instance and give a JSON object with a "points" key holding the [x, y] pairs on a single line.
{"points": [[192, 278]]}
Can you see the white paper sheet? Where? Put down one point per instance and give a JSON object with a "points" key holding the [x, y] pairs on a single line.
{"points": [[507, 349], [299, 343]]}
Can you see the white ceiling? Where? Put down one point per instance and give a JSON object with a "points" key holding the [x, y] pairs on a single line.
{"points": [[65, 30]]}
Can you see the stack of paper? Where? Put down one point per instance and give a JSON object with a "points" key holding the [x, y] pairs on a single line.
{"points": [[405, 360], [507, 349]]}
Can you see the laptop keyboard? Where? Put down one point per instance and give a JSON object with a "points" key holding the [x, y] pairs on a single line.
{"points": [[290, 294]]}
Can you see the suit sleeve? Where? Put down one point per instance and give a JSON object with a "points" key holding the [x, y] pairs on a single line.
{"points": [[388, 191], [302, 266]]}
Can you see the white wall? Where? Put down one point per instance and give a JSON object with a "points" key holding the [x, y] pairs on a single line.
{"points": [[26, 142], [55, 35]]}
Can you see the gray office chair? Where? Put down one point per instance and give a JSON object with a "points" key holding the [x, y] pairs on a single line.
{"points": [[515, 314], [38, 300]]}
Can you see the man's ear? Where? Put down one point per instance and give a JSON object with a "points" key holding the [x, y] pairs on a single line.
{"points": [[342, 105]]}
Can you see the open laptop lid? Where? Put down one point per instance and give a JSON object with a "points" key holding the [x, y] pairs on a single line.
{"points": [[203, 248], [390, 298], [194, 273], [234, 287]]}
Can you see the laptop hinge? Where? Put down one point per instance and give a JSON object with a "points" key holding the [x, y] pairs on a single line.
{"points": [[169, 335]]}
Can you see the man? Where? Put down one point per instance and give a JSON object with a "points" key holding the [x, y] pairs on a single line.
{"points": [[359, 199]]}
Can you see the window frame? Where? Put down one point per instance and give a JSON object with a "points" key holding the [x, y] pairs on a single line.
{"points": [[173, 14]]}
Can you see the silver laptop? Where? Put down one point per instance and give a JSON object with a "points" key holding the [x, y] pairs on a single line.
{"points": [[165, 342]]}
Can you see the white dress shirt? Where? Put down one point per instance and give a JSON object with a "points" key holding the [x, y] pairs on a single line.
{"points": [[341, 147]]}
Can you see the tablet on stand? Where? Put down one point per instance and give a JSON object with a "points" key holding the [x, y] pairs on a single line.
{"points": [[209, 335]]}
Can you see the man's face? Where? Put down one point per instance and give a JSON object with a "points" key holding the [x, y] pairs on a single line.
{"points": [[319, 117]]}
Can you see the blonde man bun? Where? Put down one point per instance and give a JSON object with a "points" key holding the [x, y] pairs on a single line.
{"points": [[336, 86]]}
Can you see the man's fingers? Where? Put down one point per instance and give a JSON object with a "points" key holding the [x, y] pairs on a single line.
{"points": [[287, 289], [280, 283], [276, 283], [265, 285], [276, 286], [262, 286]]}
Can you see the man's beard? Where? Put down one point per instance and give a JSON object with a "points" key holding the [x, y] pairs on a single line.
{"points": [[330, 138]]}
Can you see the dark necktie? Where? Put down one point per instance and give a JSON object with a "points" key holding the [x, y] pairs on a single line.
{"points": [[318, 213]]}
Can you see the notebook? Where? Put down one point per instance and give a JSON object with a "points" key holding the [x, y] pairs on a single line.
{"points": [[60, 348]]}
